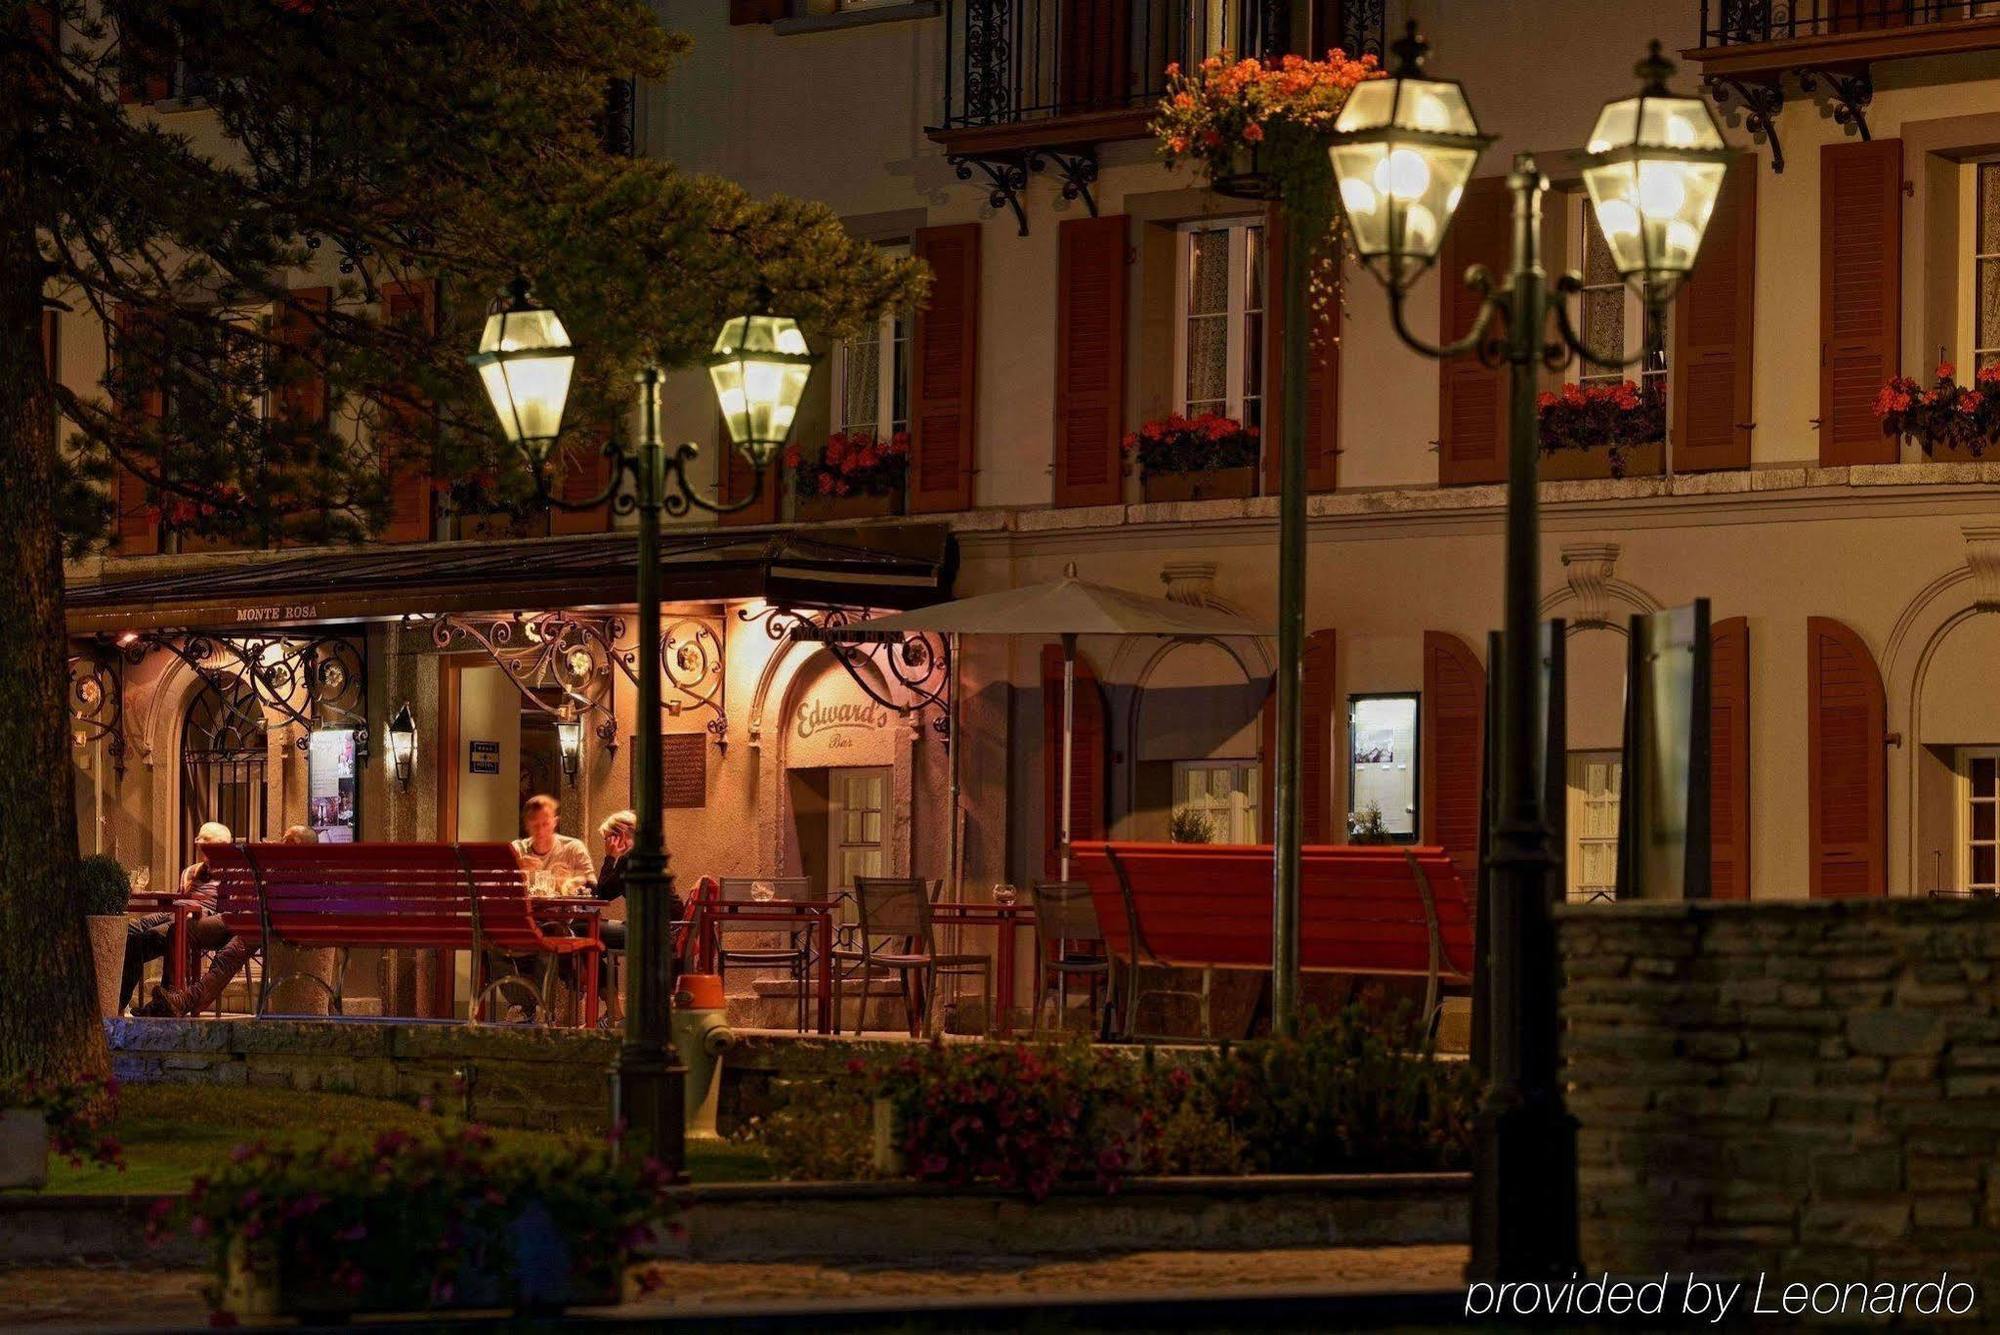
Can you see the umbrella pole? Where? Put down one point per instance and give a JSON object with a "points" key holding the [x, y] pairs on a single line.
{"points": [[1069, 741], [952, 855]]}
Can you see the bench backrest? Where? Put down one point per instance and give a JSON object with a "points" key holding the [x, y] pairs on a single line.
{"points": [[1361, 910], [409, 895]]}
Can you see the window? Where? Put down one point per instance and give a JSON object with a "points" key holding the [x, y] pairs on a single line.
{"points": [[1608, 313], [1219, 339], [855, 823], [871, 377], [1382, 767], [1983, 278], [1595, 778], [1979, 819], [1225, 791]]}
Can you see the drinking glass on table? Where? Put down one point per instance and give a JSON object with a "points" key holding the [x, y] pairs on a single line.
{"points": [[1004, 895], [141, 878], [761, 892], [541, 883]]}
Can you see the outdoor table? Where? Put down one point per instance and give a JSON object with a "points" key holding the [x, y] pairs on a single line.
{"points": [[777, 913], [143, 902], [1009, 918]]}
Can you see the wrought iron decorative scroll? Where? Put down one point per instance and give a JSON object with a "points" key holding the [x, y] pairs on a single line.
{"points": [[1842, 94], [920, 664], [311, 680], [1076, 167], [97, 701], [1006, 174]]}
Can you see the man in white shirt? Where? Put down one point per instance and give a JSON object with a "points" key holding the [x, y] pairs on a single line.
{"points": [[543, 849]]}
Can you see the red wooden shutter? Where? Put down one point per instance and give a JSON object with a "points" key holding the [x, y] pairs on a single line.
{"points": [[1322, 376], [737, 479], [1472, 399], [1860, 296], [1729, 759], [1847, 768], [1090, 360], [944, 376], [1454, 733], [146, 69], [1318, 703], [1087, 759], [756, 11], [1096, 68], [412, 424], [1713, 333], [301, 398], [137, 529], [585, 471]]}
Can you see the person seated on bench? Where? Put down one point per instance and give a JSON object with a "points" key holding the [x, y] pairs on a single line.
{"points": [[149, 938], [228, 962], [564, 858]]}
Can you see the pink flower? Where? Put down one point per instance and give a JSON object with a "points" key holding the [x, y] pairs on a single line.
{"points": [[1253, 133], [1944, 370]]}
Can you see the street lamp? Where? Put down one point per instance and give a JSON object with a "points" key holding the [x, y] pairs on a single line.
{"points": [[760, 367], [1655, 164]]}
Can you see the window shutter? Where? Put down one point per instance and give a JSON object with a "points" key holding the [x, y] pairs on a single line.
{"points": [[1713, 333], [737, 478], [1472, 399], [1322, 376], [146, 70], [1090, 360], [1454, 732], [301, 398], [1096, 69], [137, 529], [1847, 776], [1316, 719], [411, 424], [1860, 296], [1087, 759], [944, 376], [585, 471], [743, 12], [1729, 759]]}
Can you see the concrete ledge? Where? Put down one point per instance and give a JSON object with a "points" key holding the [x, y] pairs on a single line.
{"points": [[901, 1221]]}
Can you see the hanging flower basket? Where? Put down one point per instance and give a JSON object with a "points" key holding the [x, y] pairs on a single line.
{"points": [[1608, 420], [1948, 418]]}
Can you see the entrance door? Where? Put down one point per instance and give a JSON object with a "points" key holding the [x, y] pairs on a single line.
{"points": [[857, 799], [223, 757]]}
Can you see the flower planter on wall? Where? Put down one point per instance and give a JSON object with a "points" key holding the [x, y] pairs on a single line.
{"points": [[1215, 484], [24, 1148], [1584, 465], [821, 509]]}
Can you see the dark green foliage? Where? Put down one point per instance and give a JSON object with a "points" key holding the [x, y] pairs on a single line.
{"points": [[102, 885]]}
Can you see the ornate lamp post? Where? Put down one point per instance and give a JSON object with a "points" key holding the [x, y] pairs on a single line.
{"points": [[760, 365], [1402, 151]]}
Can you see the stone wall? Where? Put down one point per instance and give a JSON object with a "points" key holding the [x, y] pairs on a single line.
{"points": [[1810, 1090]]}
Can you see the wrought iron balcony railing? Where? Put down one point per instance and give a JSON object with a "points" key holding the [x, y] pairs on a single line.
{"points": [[1009, 62], [1742, 22]]}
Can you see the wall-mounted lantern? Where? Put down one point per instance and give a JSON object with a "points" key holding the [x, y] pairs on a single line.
{"points": [[403, 745]]}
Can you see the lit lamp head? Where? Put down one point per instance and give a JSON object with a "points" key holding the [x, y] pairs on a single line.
{"points": [[1653, 166], [569, 740], [403, 745], [760, 365], [1403, 148], [526, 360]]}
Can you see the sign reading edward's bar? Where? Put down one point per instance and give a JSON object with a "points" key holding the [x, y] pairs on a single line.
{"points": [[819, 716]]}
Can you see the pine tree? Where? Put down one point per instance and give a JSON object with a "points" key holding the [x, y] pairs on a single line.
{"points": [[365, 147]]}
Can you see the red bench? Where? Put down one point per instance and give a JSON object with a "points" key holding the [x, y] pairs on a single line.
{"points": [[398, 896], [1363, 909]]}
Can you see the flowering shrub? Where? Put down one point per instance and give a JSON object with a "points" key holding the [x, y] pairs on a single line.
{"points": [[1612, 417], [77, 1113], [1177, 444], [1224, 104], [414, 1221], [851, 463], [1948, 414]]}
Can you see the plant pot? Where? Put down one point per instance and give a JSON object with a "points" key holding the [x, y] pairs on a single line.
{"points": [[888, 1152], [107, 950], [1245, 177], [268, 1282], [1215, 484], [1584, 465], [820, 509], [24, 1148]]}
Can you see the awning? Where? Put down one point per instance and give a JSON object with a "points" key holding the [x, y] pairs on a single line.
{"points": [[872, 565]]}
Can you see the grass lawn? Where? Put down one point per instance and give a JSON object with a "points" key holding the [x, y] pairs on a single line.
{"points": [[173, 1132]]}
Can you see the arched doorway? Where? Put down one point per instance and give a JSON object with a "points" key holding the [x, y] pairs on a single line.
{"points": [[224, 757]]}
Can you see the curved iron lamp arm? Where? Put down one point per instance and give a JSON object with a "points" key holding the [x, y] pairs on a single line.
{"points": [[1492, 305], [622, 465], [677, 499], [1569, 341], [682, 497]]}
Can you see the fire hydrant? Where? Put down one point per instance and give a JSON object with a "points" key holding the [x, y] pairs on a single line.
{"points": [[701, 1035]]}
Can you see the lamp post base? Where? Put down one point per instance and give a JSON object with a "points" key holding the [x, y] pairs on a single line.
{"points": [[648, 1088]]}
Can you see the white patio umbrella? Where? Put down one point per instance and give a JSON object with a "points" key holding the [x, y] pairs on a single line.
{"points": [[1065, 608]]}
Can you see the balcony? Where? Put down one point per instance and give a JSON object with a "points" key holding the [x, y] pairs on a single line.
{"points": [[1756, 53], [1031, 85]]}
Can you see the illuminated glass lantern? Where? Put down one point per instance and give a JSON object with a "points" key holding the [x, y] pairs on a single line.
{"points": [[759, 365], [1654, 167], [569, 740], [526, 360], [1402, 149], [403, 745]]}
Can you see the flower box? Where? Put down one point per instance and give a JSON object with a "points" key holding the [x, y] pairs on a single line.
{"points": [[855, 475], [1207, 485], [819, 509], [1598, 461], [1592, 431], [1948, 421]]}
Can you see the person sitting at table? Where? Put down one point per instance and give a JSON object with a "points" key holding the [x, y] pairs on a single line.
{"points": [[225, 965], [542, 849], [151, 937]]}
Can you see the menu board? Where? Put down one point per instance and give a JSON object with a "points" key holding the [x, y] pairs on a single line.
{"points": [[683, 770], [330, 784]]}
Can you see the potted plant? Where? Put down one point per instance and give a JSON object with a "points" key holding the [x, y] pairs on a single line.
{"points": [[1194, 458], [1948, 419], [39, 1115], [104, 888], [439, 1221], [1241, 120], [1600, 430], [1366, 826], [1188, 826], [855, 475]]}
